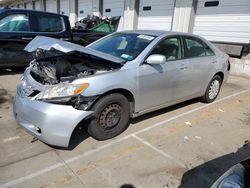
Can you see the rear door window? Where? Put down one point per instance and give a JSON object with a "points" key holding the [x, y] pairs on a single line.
{"points": [[196, 48], [48, 23], [14, 23]]}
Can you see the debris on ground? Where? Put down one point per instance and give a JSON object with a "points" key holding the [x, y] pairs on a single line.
{"points": [[198, 137], [221, 110]]}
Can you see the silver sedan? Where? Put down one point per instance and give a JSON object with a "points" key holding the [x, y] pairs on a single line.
{"points": [[116, 78]]}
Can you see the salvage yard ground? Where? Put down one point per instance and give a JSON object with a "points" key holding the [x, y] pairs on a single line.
{"points": [[162, 149]]}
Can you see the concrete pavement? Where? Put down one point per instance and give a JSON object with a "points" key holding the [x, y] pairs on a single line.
{"points": [[155, 151]]}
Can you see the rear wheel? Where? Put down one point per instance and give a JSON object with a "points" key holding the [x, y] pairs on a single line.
{"points": [[213, 89], [111, 117]]}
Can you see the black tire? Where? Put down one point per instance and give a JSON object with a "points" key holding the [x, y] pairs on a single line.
{"points": [[111, 117], [208, 97]]}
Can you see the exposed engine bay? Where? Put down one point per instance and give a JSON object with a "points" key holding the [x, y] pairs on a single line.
{"points": [[52, 67]]}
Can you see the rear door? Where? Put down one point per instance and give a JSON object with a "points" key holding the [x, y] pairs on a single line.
{"points": [[201, 62], [14, 36]]}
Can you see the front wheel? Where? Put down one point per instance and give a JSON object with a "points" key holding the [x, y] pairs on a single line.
{"points": [[213, 89], [111, 117]]}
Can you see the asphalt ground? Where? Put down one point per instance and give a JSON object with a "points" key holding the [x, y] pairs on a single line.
{"points": [[186, 145]]}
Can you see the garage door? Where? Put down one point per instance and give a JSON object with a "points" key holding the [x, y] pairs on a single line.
{"points": [[29, 6], [223, 21], [155, 14], [64, 7], [51, 6], [84, 8], [20, 6], [114, 8], [37, 5]]}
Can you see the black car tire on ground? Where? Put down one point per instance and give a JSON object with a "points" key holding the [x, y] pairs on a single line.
{"points": [[206, 97], [111, 117]]}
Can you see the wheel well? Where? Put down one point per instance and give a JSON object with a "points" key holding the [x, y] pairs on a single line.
{"points": [[124, 92], [221, 75]]}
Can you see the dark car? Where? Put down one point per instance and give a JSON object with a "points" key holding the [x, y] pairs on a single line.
{"points": [[19, 26]]}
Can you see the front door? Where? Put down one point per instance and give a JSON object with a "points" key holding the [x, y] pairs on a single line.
{"points": [[162, 84], [201, 60]]}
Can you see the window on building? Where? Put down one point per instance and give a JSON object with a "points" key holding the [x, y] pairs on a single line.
{"points": [[146, 8], [14, 22], [211, 3]]}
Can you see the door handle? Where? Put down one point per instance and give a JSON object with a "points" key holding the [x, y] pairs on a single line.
{"points": [[26, 38]]}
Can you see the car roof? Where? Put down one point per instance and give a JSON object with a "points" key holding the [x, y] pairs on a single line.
{"points": [[157, 33], [26, 11]]}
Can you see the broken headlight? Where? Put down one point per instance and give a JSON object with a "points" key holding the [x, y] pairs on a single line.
{"points": [[62, 91]]}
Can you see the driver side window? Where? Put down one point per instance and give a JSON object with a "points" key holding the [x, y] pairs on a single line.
{"points": [[170, 48]]}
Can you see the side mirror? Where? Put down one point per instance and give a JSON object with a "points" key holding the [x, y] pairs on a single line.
{"points": [[156, 59]]}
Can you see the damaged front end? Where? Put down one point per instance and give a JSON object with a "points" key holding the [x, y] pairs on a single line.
{"points": [[58, 63]]}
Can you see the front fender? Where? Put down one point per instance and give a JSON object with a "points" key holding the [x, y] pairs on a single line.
{"points": [[102, 83]]}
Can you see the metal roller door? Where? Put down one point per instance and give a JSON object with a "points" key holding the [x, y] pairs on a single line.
{"points": [[84, 8], [29, 6], [156, 14], [64, 7], [51, 6], [114, 8], [20, 6], [223, 21], [37, 5]]}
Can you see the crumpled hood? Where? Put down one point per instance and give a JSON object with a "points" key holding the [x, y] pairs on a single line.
{"points": [[47, 43]]}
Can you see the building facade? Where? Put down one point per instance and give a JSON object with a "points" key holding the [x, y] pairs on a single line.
{"points": [[223, 21]]}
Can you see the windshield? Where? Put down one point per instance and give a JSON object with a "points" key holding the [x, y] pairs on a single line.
{"points": [[124, 45]]}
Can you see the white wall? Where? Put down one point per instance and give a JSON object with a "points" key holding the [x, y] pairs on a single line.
{"points": [[183, 14], [130, 16]]}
